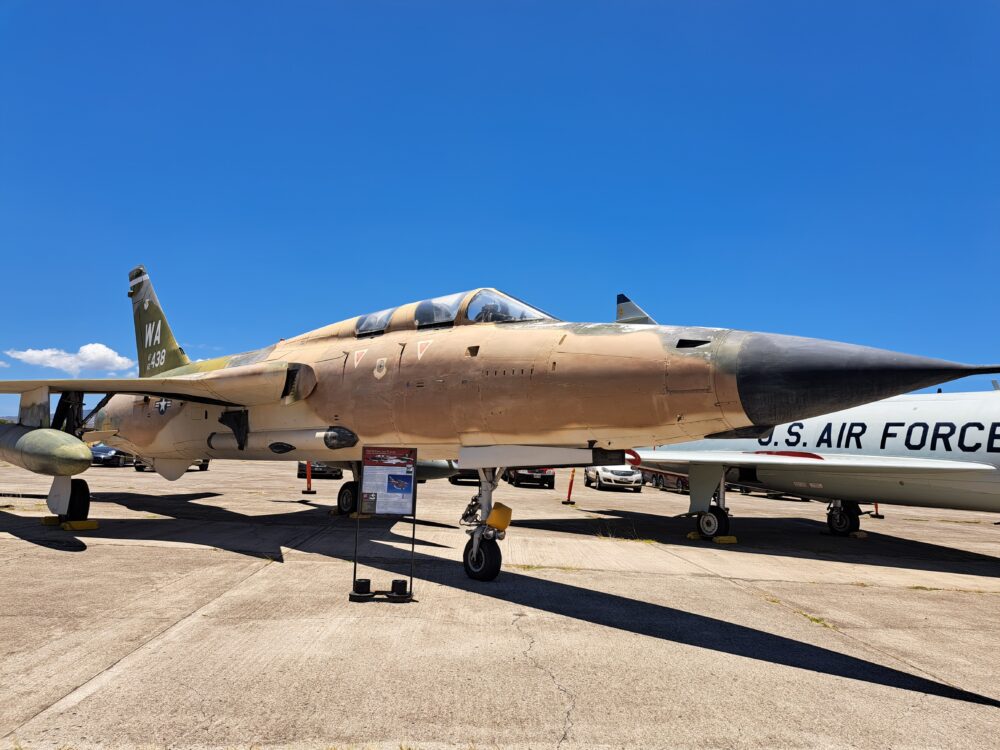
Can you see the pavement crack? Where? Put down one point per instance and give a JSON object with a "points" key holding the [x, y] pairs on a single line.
{"points": [[94, 683], [567, 693]]}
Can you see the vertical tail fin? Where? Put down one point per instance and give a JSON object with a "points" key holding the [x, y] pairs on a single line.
{"points": [[155, 344], [629, 312]]}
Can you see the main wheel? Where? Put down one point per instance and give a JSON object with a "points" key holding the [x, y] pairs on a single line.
{"points": [[203, 466], [713, 523], [842, 522], [347, 498], [485, 566], [79, 502]]}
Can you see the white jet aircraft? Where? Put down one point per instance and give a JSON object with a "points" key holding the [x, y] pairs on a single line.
{"points": [[939, 450]]}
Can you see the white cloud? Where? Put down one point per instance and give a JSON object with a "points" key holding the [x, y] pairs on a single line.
{"points": [[4, 364], [90, 357]]}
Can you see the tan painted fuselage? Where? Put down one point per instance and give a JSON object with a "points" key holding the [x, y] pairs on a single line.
{"points": [[544, 383]]}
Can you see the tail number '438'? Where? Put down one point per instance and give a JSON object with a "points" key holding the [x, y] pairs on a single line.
{"points": [[156, 359]]}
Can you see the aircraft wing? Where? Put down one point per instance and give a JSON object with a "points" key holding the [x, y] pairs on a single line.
{"points": [[249, 385], [826, 462]]}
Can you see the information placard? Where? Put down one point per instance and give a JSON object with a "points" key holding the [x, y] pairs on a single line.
{"points": [[388, 481]]}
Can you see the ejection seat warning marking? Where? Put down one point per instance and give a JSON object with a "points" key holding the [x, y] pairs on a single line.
{"points": [[422, 347], [358, 356], [388, 481]]}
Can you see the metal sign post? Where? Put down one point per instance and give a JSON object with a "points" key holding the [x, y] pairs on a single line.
{"points": [[388, 487]]}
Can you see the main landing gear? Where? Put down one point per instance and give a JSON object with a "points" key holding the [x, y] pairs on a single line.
{"points": [[482, 558], [714, 522], [347, 498], [707, 484], [69, 499], [843, 517]]}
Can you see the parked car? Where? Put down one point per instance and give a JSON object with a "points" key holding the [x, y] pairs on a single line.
{"points": [[606, 477], [320, 471], [540, 477], [105, 455], [200, 463]]}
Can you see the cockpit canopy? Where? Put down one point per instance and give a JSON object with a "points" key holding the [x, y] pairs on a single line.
{"points": [[477, 306]]}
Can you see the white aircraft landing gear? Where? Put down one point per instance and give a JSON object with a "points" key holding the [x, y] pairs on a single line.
{"points": [[708, 500], [69, 499], [843, 517], [714, 522], [482, 558]]}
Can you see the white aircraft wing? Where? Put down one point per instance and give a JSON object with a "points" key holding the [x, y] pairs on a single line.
{"points": [[826, 462]]}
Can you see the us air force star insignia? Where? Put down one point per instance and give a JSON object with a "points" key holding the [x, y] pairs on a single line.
{"points": [[163, 404], [358, 356], [380, 369], [422, 347]]}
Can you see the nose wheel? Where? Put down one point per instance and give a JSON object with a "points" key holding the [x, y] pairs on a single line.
{"points": [[482, 558], [843, 518], [482, 564]]}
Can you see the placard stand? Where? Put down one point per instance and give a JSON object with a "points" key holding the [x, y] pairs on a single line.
{"points": [[387, 486]]}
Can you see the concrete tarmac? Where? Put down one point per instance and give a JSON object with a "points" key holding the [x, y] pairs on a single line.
{"points": [[213, 612]]}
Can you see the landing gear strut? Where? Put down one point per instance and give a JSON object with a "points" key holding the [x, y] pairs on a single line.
{"points": [[482, 558], [708, 500], [843, 517]]}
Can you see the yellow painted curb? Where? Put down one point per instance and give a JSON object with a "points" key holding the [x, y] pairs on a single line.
{"points": [[693, 535], [725, 540], [50, 520], [79, 526], [360, 515]]}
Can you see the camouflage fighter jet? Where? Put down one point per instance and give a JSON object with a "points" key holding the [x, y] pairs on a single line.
{"points": [[478, 377]]}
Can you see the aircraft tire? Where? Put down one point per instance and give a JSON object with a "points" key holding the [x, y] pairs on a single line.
{"points": [[79, 502], [842, 522], [347, 498], [486, 565], [713, 523]]}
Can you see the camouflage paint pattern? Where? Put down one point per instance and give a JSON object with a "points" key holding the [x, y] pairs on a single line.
{"points": [[543, 382]]}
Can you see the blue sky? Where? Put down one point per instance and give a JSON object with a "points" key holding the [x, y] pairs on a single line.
{"points": [[825, 169]]}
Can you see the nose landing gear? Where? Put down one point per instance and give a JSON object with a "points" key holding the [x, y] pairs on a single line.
{"points": [[843, 517], [482, 558]]}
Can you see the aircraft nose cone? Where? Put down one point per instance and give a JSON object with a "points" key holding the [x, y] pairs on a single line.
{"points": [[786, 378]]}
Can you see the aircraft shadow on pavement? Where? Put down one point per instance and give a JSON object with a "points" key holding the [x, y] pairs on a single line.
{"points": [[787, 537], [210, 526]]}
